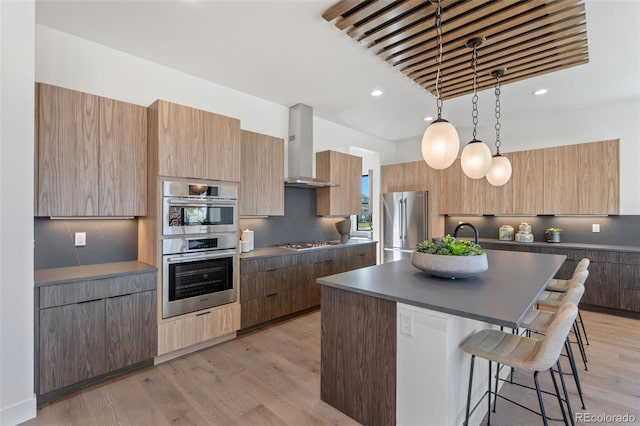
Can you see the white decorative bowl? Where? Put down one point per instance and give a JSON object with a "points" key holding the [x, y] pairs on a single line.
{"points": [[449, 266]]}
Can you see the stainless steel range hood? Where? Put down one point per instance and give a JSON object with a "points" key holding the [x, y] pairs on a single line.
{"points": [[300, 149]]}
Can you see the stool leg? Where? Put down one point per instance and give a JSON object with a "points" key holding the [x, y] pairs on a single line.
{"points": [[466, 417], [495, 396], [566, 394], [583, 329], [489, 396], [555, 387], [574, 370], [542, 412], [580, 345]]}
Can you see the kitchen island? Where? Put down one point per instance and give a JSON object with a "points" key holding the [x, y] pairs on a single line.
{"points": [[391, 335]]}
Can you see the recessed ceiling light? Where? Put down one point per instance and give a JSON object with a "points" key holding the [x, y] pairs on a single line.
{"points": [[429, 118], [376, 92], [540, 92]]}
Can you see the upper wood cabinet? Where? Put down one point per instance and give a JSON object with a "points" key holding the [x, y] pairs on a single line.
{"points": [[191, 143], [527, 181], [599, 179], [460, 194], [90, 155], [345, 171], [261, 175], [561, 180]]}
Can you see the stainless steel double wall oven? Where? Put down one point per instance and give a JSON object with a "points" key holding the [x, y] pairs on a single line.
{"points": [[199, 246]]}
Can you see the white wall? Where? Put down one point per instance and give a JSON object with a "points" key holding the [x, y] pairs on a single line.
{"points": [[17, 400], [620, 120]]}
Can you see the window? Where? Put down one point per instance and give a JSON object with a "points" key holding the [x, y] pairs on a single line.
{"points": [[364, 218]]}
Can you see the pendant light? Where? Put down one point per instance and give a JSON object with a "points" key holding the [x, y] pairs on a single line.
{"points": [[500, 171], [476, 156], [440, 142]]}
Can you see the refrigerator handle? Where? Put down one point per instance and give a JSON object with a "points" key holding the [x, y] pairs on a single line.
{"points": [[401, 220], [405, 219]]}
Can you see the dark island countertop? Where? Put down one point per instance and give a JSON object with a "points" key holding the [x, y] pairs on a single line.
{"points": [[502, 295], [277, 251], [68, 274]]}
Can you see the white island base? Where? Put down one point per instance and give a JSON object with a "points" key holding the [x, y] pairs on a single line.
{"points": [[433, 372]]}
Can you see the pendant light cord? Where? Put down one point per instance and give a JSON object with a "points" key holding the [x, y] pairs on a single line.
{"points": [[474, 100], [498, 125], [439, 58]]}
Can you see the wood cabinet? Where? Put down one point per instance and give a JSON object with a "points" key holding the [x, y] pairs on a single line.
{"points": [[90, 155], [345, 171], [90, 330], [262, 175], [599, 179], [191, 143], [630, 281], [188, 330], [272, 287], [417, 176], [527, 182], [561, 180], [499, 199], [460, 194]]}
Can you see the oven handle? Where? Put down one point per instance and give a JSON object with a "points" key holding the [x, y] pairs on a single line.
{"points": [[191, 258], [187, 202]]}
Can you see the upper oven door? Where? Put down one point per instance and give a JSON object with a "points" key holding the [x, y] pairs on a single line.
{"points": [[182, 216]]}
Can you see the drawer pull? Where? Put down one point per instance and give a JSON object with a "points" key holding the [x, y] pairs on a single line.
{"points": [[89, 301], [203, 313], [271, 270], [272, 294]]}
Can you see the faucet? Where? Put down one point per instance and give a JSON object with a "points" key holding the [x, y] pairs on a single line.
{"points": [[462, 225]]}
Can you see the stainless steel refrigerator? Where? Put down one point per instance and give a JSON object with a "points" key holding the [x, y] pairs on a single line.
{"points": [[405, 223]]}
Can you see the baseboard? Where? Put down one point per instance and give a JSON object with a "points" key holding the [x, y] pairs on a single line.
{"points": [[18, 413], [194, 348]]}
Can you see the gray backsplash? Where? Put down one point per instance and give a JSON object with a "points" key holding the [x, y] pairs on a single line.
{"points": [[107, 241], [299, 222], [616, 230]]}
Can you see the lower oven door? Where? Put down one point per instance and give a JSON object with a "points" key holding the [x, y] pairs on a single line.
{"points": [[191, 282]]}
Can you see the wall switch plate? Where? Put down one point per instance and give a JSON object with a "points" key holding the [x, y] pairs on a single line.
{"points": [[81, 239], [595, 227], [406, 324]]}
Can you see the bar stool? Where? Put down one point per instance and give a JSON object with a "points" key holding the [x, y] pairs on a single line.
{"points": [[525, 353], [563, 285], [553, 300], [539, 321]]}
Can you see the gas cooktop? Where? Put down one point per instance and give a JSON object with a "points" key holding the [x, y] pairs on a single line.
{"points": [[307, 245]]}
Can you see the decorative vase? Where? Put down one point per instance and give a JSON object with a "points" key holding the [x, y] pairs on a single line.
{"points": [[450, 266], [553, 237]]}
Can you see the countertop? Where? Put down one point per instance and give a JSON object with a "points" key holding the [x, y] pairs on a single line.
{"points": [[43, 277], [606, 247], [502, 295], [277, 251]]}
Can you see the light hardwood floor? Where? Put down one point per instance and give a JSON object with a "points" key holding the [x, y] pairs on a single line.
{"points": [[272, 377]]}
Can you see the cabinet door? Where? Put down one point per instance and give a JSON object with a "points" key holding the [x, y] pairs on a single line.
{"points": [[602, 287], [131, 329], [72, 344], [527, 180], [345, 171], [122, 179], [451, 189], [599, 178], [67, 169], [561, 187], [262, 175], [221, 147], [498, 199], [630, 287], [180, 140]]}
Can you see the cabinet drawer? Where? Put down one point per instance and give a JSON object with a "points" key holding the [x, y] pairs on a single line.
{"points": [[630, 300], [630, 258], [82, 291], [594, 255], [361, 250], [266, 308], [250, 266], [193, 329], [261, 284]]}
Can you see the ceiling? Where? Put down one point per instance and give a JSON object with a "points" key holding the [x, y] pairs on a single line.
{"points": [[285, 52]]}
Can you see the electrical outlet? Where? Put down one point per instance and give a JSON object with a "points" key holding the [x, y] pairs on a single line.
{"points": [[406, 324], [81, 239], [595, 227]]}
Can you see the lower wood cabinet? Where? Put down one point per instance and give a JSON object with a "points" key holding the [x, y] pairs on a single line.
{"points": [[272, 287], [88, 330]]}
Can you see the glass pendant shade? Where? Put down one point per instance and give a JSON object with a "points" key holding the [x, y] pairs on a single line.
{"points": [[476, 159], [500, 171], [440, 144]]}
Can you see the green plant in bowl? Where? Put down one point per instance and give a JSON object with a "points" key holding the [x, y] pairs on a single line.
{"points": [[449, 246], [553, 230]]}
